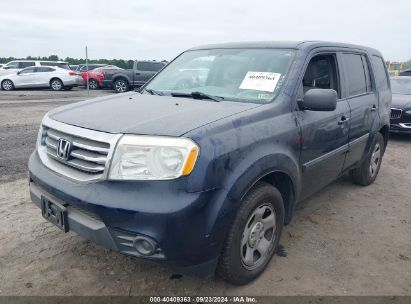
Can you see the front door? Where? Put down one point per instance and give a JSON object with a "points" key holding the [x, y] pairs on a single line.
{"points": [[26, 77], [324, 135]]}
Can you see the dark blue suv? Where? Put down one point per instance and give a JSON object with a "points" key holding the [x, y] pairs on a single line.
{"points": [[206, 163]]}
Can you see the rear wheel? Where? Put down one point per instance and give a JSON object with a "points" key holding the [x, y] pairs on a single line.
{"points": [[368, 171], [121, 85], [56, 84], [7, 85], [253, 236], [93, 84]]}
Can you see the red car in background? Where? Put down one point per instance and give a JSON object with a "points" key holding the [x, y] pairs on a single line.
{"points": [[96, 76]]}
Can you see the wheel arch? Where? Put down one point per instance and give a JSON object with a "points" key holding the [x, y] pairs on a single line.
{"points": [[56, 78]]}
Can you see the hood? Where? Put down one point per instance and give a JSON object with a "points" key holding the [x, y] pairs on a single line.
{"points": [[134, 113], [401, 101]]}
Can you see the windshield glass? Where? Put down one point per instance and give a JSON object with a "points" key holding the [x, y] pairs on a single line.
{"points": [[246, 75], [401, 85]]}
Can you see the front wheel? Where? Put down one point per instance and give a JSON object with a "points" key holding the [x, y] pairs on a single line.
{"points": [[253, 236], [121, 86], [369, 168], [56, 84], [7, 85]]}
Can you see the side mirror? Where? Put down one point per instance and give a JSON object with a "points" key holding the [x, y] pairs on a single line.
{"points": [[319, 100], [18, 73]]}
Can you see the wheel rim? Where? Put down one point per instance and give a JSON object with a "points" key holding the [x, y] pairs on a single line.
{"points": [[93, 85], [258, 237], [56, 85], [375, 160], [7, 85], [121, 86]]}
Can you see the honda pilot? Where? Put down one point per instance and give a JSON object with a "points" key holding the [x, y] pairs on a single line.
{"points": [[206, 163]]}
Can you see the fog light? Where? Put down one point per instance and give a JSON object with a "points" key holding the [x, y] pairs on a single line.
{"points": [[144, 246]]}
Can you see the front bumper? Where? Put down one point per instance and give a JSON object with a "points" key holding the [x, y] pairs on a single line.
{"points": [[113, 214]]}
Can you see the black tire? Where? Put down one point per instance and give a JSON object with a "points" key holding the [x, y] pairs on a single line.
{"points": [[56, 84], [93, 84], [7, 85], [121, 85], [231, 266], [369, 168], [69, 88]]}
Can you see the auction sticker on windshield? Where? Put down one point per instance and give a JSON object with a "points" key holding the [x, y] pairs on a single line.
{"points": [[260, 81]]}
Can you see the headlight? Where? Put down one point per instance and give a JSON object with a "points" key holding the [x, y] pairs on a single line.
{"points": [[41, 133], [153, 158], [408, 112]]}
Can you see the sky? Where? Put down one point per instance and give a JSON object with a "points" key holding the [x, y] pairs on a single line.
{"points": [[161, 29]]}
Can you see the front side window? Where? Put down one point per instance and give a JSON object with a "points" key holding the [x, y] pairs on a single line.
{"points": [[27, 70], [321, 73], [245, 75], [355, 74], [13, 65]]}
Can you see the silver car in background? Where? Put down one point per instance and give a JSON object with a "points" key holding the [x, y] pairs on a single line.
{"points": [[41, 77]]}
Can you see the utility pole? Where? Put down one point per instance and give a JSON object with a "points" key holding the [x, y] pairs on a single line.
{"points": [[88, 86]]}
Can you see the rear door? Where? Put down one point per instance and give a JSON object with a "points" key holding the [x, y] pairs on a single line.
{"points": [[324, 135], [44, 75], [363, 102]]}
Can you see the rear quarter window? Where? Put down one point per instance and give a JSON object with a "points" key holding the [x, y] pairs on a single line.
{"points": [[380, 73]]}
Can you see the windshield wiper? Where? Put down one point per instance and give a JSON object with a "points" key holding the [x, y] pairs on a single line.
{"points": [[152, 92], [198, 95]]}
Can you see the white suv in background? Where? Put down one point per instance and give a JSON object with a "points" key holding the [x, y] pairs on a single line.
{"points": [[17, 65], [41, 77]]}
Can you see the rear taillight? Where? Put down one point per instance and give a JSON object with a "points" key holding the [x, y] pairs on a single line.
{"points": [[72, 74]]}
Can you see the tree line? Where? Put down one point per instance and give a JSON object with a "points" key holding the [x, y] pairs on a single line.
{"points": [[121, 63]]}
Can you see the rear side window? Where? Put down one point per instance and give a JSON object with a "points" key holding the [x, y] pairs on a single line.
{"points": [[356, 76], [27, 64], [380, 73], [45, 69], [148, 66], [48, 63]]}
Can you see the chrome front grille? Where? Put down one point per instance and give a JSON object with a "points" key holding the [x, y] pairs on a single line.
{"points": [[88, 154], [395, 113]]}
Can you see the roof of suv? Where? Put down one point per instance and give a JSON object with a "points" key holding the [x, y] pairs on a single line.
{"points": [[300, 45]]}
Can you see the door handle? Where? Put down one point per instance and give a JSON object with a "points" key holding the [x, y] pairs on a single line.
{"points": [[374, 108], [343, 120], [137, 73]]}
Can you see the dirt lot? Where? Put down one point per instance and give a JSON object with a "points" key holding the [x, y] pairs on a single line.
{"points": [[345, 240]]}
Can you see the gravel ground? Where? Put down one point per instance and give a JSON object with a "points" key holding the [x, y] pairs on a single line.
{"points": [[345, 240]]}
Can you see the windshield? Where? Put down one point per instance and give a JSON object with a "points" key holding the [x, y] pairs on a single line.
{"points": [[401, 85], [246, 75]]}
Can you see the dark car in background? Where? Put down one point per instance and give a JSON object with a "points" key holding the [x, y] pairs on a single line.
{"points": [[405, 72], [124, 80], [205, 175], [96, 76], [400, 118]]}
